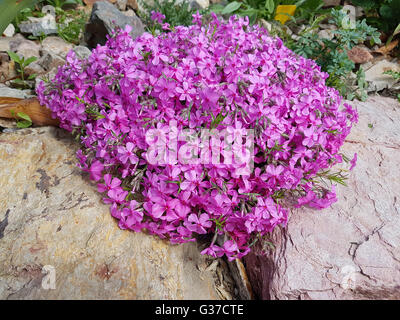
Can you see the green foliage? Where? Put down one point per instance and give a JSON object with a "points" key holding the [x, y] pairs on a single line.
{"points": [[175, 13], [61, 3], [24, 14], [394, 74], [331, 55], [21, 64], [382, 14], [23, 120], [334, 178], [9, 9], [309, 9], [266, 9], [71, 24]]}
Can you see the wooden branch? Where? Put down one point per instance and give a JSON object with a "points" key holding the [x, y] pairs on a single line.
{"points": [[39, 115]]}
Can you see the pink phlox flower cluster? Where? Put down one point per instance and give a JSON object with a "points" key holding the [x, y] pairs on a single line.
{"points": [[193, 75]]}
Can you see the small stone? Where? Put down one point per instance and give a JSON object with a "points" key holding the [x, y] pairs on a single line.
{"points": [[24, 47], [325, 34], [34, 69], [90, 3], [39, 26], [104, 19], [48, 62], [359, 12], [82, 52], [121, 4], [331, 3], [56, 45], [9, 31], [359, 54], [328, 26], [49, 10], [129, 13], [132, 4], [5, 44], [14, 93], [7, 67], [266, 25], [199, 4], [379, 81]]}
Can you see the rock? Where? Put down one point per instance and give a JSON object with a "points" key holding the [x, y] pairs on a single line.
{"points": [[7, 67], [132, 4], [24, 47], [82, 52], [349, 23], [329, 26], [57, 46], [49, 10], [199, 4], [34, 69], [50, 60], [90, 3], [9, 31], [326, 34], [5, 44], [359, 54], [8, 125], [267, 25], [377, 80], [39, 26], [121, 4], [14, 93], [352, 249], [359, 12], [52, 218], [105, 18], [129, 13], [331, 3], [45, 64]]}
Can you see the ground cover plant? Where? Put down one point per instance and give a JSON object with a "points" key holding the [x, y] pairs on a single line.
{"points": [[132, 96]]}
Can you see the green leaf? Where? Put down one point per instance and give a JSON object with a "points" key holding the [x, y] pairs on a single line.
{"points": [[70, 2], [18, 81], [23, 124], [232, 7], [217, 8], [311, 5], [270, 5], [365, 4], [14, 56], [397, 30], [29, 60], [9, 9], [24, 116]]}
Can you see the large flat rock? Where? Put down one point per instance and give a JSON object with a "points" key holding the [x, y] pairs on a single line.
{"points": [[352, 249], [51, 214]]}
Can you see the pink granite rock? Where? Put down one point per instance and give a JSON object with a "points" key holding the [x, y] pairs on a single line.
{"points": [[352, 249]]}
